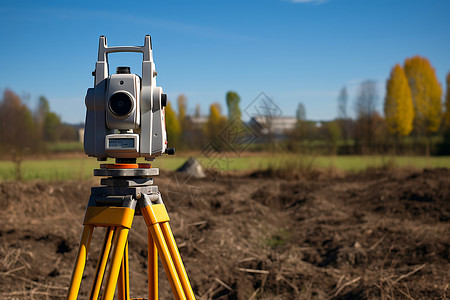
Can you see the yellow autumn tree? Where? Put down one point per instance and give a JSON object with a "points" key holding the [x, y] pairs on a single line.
{"points": [[426, 94], [216, 122], [398, 105], [172, 126], [181, 100], [447, 103]]}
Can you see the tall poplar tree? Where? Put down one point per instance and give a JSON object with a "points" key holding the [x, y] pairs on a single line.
{"points": [[182, 103], [398, 105], [216, 122], [447, 103], [426, 94], [343, 115], [233, 100], [445, 145]]}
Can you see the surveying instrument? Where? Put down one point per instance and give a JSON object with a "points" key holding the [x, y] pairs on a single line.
{"points": [[125, 120]]}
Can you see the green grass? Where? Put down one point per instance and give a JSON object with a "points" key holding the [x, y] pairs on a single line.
{"points": [[70, 168], [65, 146], [343, 163], [82, 168]]}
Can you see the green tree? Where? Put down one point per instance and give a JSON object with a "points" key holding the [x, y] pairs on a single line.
{"points": [[332, 136], [51, 127], [233, 100], [172, 126], [426, 94], [398, 105]]}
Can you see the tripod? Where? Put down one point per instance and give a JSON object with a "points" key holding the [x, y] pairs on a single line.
{"points": [[128, 190]]}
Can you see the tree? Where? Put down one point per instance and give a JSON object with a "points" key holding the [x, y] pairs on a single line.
{"points": [[365, 106], [51, 127], [233, 99], [445, 145], [17, 130], [426, 94], [332, 136], [447, 103], [301, 121], [172, 125], [342, 115], [398, 105], [300, 113], [43, 109], [181, 101], [216, 122], [198, 110], [342, 103]]}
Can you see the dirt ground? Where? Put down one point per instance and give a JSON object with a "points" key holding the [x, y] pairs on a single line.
{"points": [[374, 235]]}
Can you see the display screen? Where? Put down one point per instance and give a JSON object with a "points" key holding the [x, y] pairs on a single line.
{"points": [[121, 143]]}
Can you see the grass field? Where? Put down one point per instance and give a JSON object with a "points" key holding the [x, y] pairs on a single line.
{"points": [[82, 168]]}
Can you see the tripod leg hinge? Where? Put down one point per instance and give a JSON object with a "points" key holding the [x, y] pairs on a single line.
{"points": [[154, 214], [109, 216]]}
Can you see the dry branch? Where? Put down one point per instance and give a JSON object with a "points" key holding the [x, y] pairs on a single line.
{"points": [[253, 271], [348, 283]]}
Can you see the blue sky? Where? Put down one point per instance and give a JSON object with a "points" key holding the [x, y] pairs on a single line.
{"points": [[294, 51]]}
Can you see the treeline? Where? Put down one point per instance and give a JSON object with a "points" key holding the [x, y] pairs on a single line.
{"points": [[415, 118], [25, 131], [193, 132]]}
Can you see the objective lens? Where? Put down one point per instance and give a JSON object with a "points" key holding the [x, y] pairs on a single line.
{"points": [[120, 104]]}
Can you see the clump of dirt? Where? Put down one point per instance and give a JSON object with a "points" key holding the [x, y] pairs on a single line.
{"points": [[375, 235]]}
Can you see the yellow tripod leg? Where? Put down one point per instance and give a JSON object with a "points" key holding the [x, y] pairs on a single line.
{"points": [[176, 257], [101, 264], [120, 239], [152, 267], [156, 218], [80, 262], [123, 291], [167, 261]]}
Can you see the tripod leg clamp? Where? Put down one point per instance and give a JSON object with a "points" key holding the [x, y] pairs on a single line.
{"points": [[155, 213], [109, 216]]}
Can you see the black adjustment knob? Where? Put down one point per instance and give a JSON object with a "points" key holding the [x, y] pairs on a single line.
{"points": [[163, 100], [170, 151]]}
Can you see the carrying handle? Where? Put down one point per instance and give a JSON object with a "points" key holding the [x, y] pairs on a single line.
{"points": [[148, 67], [103, 49]]}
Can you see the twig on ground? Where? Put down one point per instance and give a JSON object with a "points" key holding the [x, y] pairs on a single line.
{"points": [[253, 271], [377, 243], [255, 293], [409, 274], [223, 284], [348, 283], [12, 271]]}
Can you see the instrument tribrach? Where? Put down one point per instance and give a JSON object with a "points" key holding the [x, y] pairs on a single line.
{"points": [[125, 120]]}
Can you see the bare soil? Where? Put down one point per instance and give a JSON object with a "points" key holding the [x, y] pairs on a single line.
{"points": [[374, 235]]}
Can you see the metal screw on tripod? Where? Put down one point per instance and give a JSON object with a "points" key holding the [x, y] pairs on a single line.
{"points": [[139, 196]]}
